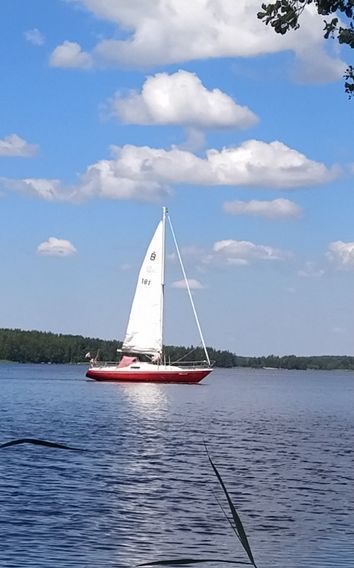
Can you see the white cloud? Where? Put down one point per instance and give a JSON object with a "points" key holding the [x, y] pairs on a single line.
{"points": [[311, 270], [316, 66], [266, 164], [313, 64], [276, 209], [193, 284], [34, 36], [181, 98], [172, 31], [121, 178], [147, 174], [141, 172], [56, 247], [252, 163], [47, 189], [195, 140], [14, 145], [341, 254], [70, 55], [230, 253], [245, 252]]}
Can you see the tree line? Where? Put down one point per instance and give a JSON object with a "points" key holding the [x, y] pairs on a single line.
{"points": [[44, 347]]}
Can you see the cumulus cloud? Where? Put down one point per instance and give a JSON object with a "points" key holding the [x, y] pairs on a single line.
{"points": [[195, 140], [48, 189], [122, 178], [70, 55], [34, 36], [14, 145], [276, 209], [181, 98], [253, 163], [245, 252], [179, 30], [267, 164], [56, 247], [341, 254], [192, 283], [318, 67], [147, 174], [231, 253]]}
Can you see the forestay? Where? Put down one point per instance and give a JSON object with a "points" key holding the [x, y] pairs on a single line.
{"points": [[144, 331]]}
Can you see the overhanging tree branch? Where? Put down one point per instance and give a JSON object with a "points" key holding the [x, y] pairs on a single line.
{"points": [[284, 15]]}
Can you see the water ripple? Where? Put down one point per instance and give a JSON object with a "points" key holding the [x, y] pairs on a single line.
{"points": [[282, 443]]}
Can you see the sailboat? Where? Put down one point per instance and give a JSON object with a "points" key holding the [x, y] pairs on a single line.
{"points": [[142, 357]]}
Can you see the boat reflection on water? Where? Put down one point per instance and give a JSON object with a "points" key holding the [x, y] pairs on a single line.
{"points": [[146, 398]]}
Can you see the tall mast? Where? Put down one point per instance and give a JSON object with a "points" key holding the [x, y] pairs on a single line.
{"points": [[164, 213]]}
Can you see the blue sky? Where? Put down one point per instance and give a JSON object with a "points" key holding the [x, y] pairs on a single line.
{"points": [[110, 110]]}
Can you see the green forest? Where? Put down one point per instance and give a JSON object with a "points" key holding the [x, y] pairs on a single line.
{"points": [[44, 347]]}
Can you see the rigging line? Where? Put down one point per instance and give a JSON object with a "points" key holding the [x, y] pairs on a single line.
{"points": [[189, 291]]}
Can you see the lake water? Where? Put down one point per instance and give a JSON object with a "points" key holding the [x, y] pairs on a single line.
{"points": [[144, 491]]}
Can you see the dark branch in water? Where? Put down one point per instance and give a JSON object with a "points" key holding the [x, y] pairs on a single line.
{"points": [[37, 442], [238, 528], [190, 561]]}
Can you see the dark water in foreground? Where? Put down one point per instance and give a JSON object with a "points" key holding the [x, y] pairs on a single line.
{"points": [[144, 491]]}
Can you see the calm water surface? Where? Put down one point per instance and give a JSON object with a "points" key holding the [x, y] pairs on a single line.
{"points": [[144, 491]]}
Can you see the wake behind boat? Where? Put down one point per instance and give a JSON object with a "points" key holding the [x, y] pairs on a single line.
{"points": [[142, 352]]}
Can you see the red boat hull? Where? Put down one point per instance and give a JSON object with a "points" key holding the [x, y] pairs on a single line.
{"points": [[185, 376]]}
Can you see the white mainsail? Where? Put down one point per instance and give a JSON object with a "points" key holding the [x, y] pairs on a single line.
{"points": [[144, 331]]}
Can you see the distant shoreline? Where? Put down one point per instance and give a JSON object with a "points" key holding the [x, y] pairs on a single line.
{"points": [[19, 346], [274, 370]]}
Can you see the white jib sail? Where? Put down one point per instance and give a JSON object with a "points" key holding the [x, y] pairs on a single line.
{"points": [[144, 331]]}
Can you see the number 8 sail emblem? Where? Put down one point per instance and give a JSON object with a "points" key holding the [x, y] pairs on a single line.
{"points": [[153, 256]]}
